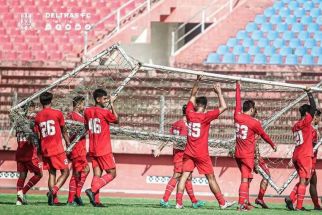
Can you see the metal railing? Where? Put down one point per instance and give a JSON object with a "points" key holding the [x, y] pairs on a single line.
{"points": [[213, 13], [117, 19]]}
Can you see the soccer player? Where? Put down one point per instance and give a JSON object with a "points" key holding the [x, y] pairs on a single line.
{"points": [[27, 159], [313, 180], [303, 153], [263, 185], [77, 156], [97, 122], [246, 129], [180, 127], [50, 127], [196, 153]]}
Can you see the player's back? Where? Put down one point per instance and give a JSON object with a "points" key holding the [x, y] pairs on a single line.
{"points": [[179, 128], [98, 121], [48, 123], [80, 148], [303, 136]]}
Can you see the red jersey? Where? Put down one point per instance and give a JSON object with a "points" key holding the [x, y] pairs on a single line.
{"points": [[80, 147], [247, 128], [198, 131], [315, 141], [179, 128], [303, 136], [98, 120], [48, 123], [26, 151]]}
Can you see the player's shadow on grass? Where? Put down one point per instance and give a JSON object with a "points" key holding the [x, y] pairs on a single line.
{"points": [[149, 205]]}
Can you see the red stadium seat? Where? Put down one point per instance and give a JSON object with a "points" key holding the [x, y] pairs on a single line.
{"points": [[26, 55], [18, 39], [4, 39], [55, 55], [67, 47], [40, 56], [7, 46], [4, 9], [9, 55]]}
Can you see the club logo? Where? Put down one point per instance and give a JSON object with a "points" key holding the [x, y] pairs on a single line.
{"points": [[26, 22]]}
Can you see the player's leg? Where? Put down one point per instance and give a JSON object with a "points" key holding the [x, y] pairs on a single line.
{"points": [[180, 189], [305, 165], [195, 203], [34, 167], [169, 188], [263, 186], [245, 166], [51, 185], [313, 191], [20, 182], [80, 183], [97, 173], [72, 188]]}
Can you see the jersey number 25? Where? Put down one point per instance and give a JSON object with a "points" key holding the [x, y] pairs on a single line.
{"points": [[194, 129]]}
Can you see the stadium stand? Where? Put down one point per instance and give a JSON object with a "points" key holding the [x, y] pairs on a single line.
{"points": [[288, 33]]}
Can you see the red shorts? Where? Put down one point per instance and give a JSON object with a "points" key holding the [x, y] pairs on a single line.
{"points": [[104, 162], [57, 162], [246, 166], [178, 161], [33, 166], [79, 163], [303, 167], [262, 164], [203, 164]]}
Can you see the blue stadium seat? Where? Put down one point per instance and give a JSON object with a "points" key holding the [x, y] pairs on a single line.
{"points": [[269, 12], [284, 51], [278, 5], [229, 58], [316, 51], [284, 12], [276, 59], [313, 27], [232, 42], [309, 43], [278, 43], [320, 60], [300, 12], [319, 20], [256, 35], [242, 34], [315, 12], [293, 5], [272, 35], [303, 35], [238, 49], [290, 20], [301, 1], [263, 42], [306, 20], [297, 27], [294, 43], [318, 36], [291, 59], [244, 59], [213, 58], [259, 19], [222, 49], [307, 60], [259, 59], [300, 51], [254, 50], [269, 50], [265, 27], [275, 19], [288, 35], [281, 27], [308, 5], [251, 26], [247, 42]]}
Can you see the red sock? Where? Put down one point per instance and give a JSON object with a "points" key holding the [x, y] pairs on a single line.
{"points": [[189, 190], [220, 198], [179, 198], [20, 184], [55, 190], [315, 201], [72, 189], [300, 196], [261, 193], [169, 188], [98, 183], [97, 197], [294, 193], [56, 200], [243, 192], [34, 180], [80, 183]]}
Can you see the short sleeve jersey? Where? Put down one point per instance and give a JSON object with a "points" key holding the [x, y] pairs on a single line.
{"points": [[179, 128]]}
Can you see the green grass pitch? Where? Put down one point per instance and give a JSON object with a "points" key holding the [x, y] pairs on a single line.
{"points": [[38, 206]]}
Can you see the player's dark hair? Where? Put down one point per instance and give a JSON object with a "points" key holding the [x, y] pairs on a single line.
{"points": [[184, 108], [98, 93], [247, 105], [27, 105], [201, 101], [304, 109], [77, 100], [318, 113], [45, 98]]}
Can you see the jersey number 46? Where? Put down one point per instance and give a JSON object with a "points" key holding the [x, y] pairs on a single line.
{"points": [[94, 125]]}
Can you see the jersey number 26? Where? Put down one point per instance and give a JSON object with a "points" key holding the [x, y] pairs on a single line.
{"points": [[47, 128]]}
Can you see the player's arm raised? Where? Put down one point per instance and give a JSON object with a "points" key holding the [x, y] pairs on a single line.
{"points": [[112, 99], [194, 90], [312, 103], [222, 102], [238, 98]]}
